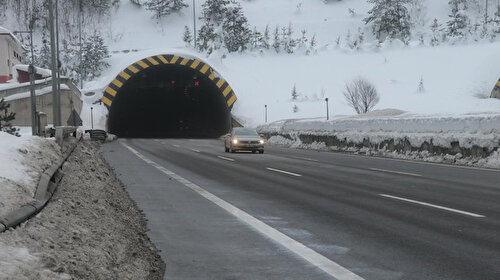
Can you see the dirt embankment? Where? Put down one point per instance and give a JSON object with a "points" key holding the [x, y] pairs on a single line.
{"points": [[90, 229]]}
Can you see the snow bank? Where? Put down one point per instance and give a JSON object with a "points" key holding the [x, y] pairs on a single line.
{"points": [[23, 159], [471, 135]]}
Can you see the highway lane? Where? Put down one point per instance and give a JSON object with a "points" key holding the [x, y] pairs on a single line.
{"points": [[379, 218]]}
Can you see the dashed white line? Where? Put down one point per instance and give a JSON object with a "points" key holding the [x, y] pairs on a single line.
{"points": [[309, 159], [225, 158], [284, 172], [175, 145], [328, 266], [396, 172], [196, 151], [434, 205]]}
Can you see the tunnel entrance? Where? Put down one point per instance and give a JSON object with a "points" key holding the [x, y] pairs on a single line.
{"points": [[169, 101]]}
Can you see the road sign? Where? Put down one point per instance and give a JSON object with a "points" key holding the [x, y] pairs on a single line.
{"points": [[74, 119]]}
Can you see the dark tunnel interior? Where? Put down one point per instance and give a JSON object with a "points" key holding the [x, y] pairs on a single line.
{"points": [[169, 101]]}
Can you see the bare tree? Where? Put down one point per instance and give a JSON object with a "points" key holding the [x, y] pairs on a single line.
{"points": [[361, 95]]}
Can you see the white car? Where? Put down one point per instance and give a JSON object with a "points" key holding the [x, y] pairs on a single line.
{"points": [[243, 139]]}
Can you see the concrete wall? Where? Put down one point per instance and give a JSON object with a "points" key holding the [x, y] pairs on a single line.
{"points": [[22, 107]]}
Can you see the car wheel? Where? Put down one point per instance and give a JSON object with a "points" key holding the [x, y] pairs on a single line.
{"points": [[254, 151], [226, 149], [231, 150], [262, 151]]}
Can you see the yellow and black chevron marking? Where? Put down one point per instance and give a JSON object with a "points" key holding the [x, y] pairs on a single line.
{"points": [[497, 86], [205, 69], [496, 90]]}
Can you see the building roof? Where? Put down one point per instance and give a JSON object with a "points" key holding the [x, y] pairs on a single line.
{"points": [[4, 31]]}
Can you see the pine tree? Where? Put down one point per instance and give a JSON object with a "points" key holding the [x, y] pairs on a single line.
{"points": [[187, 37], [288, 42], [276, 40], [295, 94], [163, 8], [435, 32], [206, 37], [43, 55], [214, 11], [390, 18], [6, 117], [421, 87], [236, 33], [256, 39], [94, 55], [459, 21], [266, 38], [295, 108]]}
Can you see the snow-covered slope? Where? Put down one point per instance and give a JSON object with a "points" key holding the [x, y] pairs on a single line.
{"points": [[457, 78]]}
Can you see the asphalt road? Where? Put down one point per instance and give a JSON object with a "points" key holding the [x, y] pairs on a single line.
{"points": [[218, 215]]}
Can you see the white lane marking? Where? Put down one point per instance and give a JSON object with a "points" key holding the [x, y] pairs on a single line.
{"points": [[435, 206], [284, 172], [328, 266], [175, 145], [396, 172], [225, 158], [196, 151], [309, 159]]}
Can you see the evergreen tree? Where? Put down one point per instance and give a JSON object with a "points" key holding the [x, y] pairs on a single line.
{"points": [[94, 55], [295, 108], [459, 21], [187, 37], [206, 37], [435, 32], [43, 55], [276, 40], [6, 117], [163, 8], [265, 38], [295, 94], [214, 11], [288, 42], [390, 18], [256, 39], [236, 33]]}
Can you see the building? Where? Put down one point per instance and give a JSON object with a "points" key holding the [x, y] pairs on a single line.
{"points": [[11, 53]]}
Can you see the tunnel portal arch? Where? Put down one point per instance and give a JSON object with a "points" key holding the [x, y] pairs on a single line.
{"points": [[169, 96]]}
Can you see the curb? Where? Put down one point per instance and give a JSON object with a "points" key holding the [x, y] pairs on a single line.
{"points": [[46, 187]]}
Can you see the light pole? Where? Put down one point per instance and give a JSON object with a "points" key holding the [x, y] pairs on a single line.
{"points": [[194, 22], [265, 113], [31, 72], [327, 113], [92, 117], [56, 109]]}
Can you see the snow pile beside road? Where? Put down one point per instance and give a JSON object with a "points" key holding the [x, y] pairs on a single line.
{"points": [[23, 159], [438, 138]]}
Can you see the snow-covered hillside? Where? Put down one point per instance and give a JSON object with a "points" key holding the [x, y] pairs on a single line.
{"points": [[457, 79], [457, 76]]}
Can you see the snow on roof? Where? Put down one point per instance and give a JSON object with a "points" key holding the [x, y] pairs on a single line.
{"points": [[4, 31], [45, 73]]}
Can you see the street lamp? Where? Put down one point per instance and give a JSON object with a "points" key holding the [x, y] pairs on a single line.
{"points": [[327, 113], [31, 72], [265, 113], [194, 22]]}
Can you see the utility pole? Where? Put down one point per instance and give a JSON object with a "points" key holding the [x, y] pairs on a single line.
{"points": [[194, 22], [58, 60], [486, 13], [80, 38], [327, 112], [56, 110]]}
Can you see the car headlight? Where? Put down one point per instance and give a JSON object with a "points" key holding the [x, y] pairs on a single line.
{"points": [[261, 141], [235, 141]]}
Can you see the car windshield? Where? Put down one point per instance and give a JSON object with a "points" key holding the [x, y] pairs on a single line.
{"points": [[245, 131]]}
